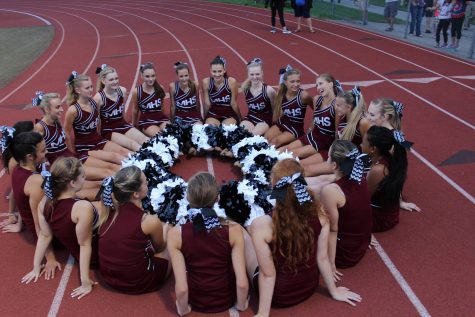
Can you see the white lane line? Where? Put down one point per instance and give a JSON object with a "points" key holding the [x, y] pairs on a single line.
{"points": [[209, 161], [30, 14], [433, 105], [401, 280], [58, 297]]}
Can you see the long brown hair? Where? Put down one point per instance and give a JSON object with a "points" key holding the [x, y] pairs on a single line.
{"points": [[202, 190], [191, 84], [281, 93], [293, 237], [71, 94], [156, 86]]}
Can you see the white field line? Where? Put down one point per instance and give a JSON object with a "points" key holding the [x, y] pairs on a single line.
{"points": [[58, 297], [30, 14]]}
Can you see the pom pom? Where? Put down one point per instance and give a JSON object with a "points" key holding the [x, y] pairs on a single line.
{"points": [[234, 203]]}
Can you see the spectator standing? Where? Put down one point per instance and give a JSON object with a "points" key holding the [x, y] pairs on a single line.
{"points": [[390, 12], [444, 7], [417, 11], [429, 14], [458, 15], [302, 9], [277, 6]]}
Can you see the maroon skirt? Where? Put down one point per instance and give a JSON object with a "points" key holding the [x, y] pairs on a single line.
{"points": [[119, 126], [148, 119]]}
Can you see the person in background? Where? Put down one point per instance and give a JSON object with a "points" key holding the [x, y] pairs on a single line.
{"points": [[302, 9], [429, 14], [444, 8], [277, 6], [457, 18], [417, 12], [390, 12]]}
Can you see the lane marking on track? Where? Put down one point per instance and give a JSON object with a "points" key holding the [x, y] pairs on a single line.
{"points": [[433, 105], [162, 52], [30, 14], [400, 280], [58, 297]]}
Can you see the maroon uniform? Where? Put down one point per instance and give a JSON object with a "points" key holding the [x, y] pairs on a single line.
{"points": [[112, 115], [55, 140], [126, 254], [260, 108], [324, 128], [220, 100], [210, 274], [385, 216], [19, 177], [354, 223], [85, 131], [58, 217], [293, 114], [150, 106], [186, 105]]}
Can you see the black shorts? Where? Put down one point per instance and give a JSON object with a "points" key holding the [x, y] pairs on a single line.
{"points": [[429, 13], [302, 11]]}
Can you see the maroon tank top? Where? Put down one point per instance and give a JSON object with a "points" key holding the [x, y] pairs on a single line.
{"points": [[59, 220], [293, 287], [112, 115], [210, 273], [385, 216], [148, 102], [126, 254], [55, 140], [184, 101], [354, 223], [20, 175], [85, 129]]}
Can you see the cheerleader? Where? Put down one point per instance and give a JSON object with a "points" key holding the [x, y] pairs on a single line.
{"points": [[291, 244], [57, 145], [110, 99], [82, 117], [185, 96], [259, 99], [289, 109], [129, 239], [347, 203], [68, 218], [147, 103], [207, 255], [387, 175], [220, 95]]}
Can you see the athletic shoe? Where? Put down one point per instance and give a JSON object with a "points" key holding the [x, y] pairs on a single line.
{"points": [[428, 32], [437, 45], [285, 31], [444, 45], [389, 29], [272, 30], [419, 35]]}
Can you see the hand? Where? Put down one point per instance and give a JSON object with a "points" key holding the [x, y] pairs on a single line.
{"points": [[13, 227], [373, 243], [343, 294], [33, 275], [336, 275], [50, 268], [182, 312], [83, 290], [10, 220], [404, 205]]}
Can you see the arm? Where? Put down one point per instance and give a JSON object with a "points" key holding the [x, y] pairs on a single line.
{"points": [[206, 101], [71, 115], [44, 238], [13, 223], [83, 214], [39, 128], [135, 108], [234, 92], [365, 124], [98, 99], [271, 94], [307, 99], [236, 239], [152, 226], [179, 270], [337, 293], [261, 229], [374, 177], [171, 89], [198, 100]]}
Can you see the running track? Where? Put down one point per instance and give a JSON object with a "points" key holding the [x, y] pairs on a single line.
{"points": [[423, 267]]}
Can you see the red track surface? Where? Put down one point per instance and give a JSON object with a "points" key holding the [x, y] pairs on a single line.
{"points": [[433, 250]]}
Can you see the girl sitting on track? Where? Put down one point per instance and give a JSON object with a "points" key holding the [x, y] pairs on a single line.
{"points": [[291, 244], [220, 95], [388, 113], [289, 109], [207, 255], [314, 146], [57, 143], [259, 99], [110, 99], [83, 118], [148, 98], [68, 218], [13, 222], [185, 96], [387, 175], [130, 240], [347, 203]]}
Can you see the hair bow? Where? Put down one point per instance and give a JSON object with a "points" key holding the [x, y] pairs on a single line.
{"points": [[208, 220], [299, 186], [7, 137], [106, 191], [221, 59], [36, 101], [398, 107], [282, 72], [255, 60], [356, 165], [399, 137], [72, 77], [338, 85], [148, 64], [100, 69], [356, 91], [46, 185]]}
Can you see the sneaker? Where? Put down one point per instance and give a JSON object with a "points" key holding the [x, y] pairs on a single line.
{"points": [[272, 30], [285, 31], [444, 45], [437, 45], [419, 35], [389, 29], [411, 33], [428, 32]]}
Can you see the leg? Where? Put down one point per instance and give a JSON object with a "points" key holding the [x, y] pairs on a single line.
{"points": [[114, 147], [413, 19], [229, 121], [280, 10], [272, 133], [248, 125], [260, 128], [445, 27], [437, 33], [298, 24], [96, 173], [110, 157], [273, 9], [283, 139], [137, 136], [305, 151], [151, 131], [292, 146], [213, 121], [312, 160], [309, 23], [124, 141], [318, 169]]}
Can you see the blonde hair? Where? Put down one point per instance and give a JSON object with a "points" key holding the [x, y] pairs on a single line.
{"points": [[247, 83], [338, 151], [357, 112], [71, 95], [281, 93], [386, 108], [102, 76], [202, 190], [45, 100]]}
